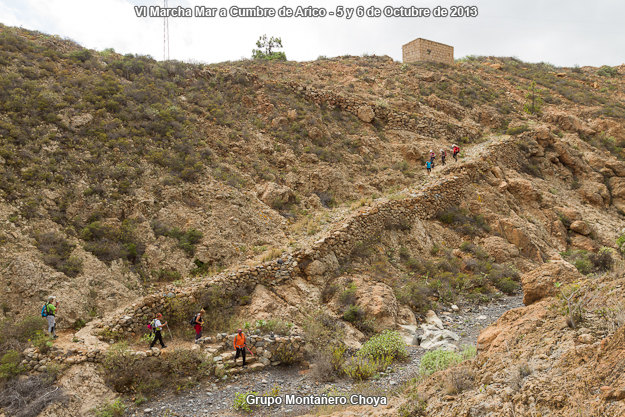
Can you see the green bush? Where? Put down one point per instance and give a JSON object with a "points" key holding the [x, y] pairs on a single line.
{"points": [[438, 360], [588, 262], [620, 243], [388, 344], [353, 314], [322, 330], [507, 285], [517, 130], [363, 368], [348, 296], [284, 354], [109, 243], [416, 294], [607, 71], [240, 401], [115, 409], [17, 335], [274, 325], [42, 341], [10, 364], [187, 240]]}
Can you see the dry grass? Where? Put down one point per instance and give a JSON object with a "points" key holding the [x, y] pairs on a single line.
{"points": [[27, 397]]}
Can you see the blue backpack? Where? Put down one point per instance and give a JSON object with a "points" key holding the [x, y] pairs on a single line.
{"points": [[44, 310]]}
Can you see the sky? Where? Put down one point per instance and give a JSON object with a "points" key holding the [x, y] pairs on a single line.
{"points": [[561, 32]]}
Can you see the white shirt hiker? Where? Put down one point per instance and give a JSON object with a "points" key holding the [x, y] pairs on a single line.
{"points": [[157, 325]]}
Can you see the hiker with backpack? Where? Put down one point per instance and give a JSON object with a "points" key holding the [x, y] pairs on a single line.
{"points": [[428, 166], [455, 149], [443, 156], [157, 326], [239, 345], [432, 157], [197, 322], [49, 312]]}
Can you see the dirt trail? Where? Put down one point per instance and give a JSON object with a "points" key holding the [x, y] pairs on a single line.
{"points": [[215, 398]]}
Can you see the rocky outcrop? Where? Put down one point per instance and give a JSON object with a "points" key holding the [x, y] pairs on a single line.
{"points": [[435, 336], [541, 282], [276, 196], [366, 114]]}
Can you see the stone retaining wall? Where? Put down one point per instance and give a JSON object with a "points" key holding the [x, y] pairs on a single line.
{"points": [[267, 350], [421, 123], [338, 244]]}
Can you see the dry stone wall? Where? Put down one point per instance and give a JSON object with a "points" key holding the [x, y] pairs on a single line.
{"points": [[331, 250], [421, 123]]}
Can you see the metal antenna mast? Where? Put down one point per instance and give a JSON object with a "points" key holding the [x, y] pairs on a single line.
{"points": [[165, 35]]}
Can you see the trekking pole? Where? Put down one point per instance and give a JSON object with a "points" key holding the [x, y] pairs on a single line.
{"points": [[169, 330], [248, 349]]}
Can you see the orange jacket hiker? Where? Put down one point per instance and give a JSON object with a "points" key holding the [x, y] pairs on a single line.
{"points": [[239, 340]]}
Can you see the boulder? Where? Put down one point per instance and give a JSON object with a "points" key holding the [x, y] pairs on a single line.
{"points": [[380, 303], [584, 243], [595, 193], [568, 122], [569, 213], [523, 189], [366, 114], [405, 316], [617, 188], [435, 336], [516, 235], [617, 167], [275, 195], [581, 227], [500, 249], [540, 282]]}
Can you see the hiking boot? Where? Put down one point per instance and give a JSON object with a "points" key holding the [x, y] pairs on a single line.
{"points": [[163, 347]]}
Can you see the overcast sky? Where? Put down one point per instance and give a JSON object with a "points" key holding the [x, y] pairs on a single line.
{"points": [[562, 32]]}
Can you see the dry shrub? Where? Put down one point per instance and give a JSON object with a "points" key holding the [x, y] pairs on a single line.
{"points": [[518, 374], [28, 396], [459, 380]]}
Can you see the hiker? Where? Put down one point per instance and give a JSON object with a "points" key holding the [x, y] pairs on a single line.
{"points": [[49, 312], [432, 156], [157, 326], [239, 345], [428, 166], [455, 150], [443, 156], [198, 322]]}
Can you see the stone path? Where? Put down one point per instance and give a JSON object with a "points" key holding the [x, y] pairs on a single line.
{"points": [[215, 397]]}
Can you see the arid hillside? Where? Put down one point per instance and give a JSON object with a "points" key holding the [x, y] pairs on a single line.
{"points": [[272, 190]]}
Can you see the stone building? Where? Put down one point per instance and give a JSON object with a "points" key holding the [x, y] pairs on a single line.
{"points": [[425, 50]]}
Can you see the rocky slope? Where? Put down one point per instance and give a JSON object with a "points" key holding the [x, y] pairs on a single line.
{"points": [[270, 190]]}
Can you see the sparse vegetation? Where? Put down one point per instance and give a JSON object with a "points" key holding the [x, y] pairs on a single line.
{"points": [[463, 221], [30, 395], [438, 360], [187, 240], [127, 372], [388, 344], [57, 253], [116, 408], [589, 262]]}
